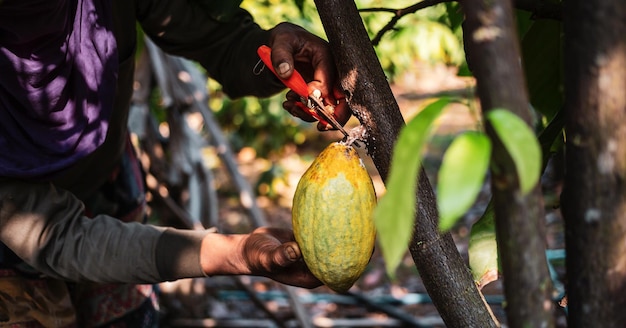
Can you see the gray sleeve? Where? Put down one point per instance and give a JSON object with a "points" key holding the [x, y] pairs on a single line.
{"points": [[45, 227]]}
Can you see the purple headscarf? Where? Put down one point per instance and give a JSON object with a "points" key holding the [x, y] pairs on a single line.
{"points": [[58, 73]]}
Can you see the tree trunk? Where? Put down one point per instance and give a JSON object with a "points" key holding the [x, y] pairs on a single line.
{"points": [[594, 195], [443, 271], [493, 56]]}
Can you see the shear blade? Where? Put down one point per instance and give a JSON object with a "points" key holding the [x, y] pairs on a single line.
{"points": [[319, 108]]}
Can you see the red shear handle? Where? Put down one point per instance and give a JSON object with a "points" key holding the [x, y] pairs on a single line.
{"points": [[295, 82]]}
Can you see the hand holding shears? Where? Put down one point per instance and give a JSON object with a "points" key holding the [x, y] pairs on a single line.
{"points": [[310, 103]]}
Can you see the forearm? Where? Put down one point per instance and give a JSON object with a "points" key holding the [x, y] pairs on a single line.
{"points": [[45, 226], [223, 255]]}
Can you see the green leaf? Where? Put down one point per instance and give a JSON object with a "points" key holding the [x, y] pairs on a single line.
{"points": [[483, 248], [524, 21], [395, 213], [542, 62], [300, 5], [551, 137], [454, 15], [461, 176], [521, 144]]}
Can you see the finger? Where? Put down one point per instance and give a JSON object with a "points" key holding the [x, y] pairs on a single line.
{"points": [[283, 63], [342, 112], [285, 255], [285, 43], [283, 235], [294, 106], [292, 96], [324, 126], [296, 110], [324, 71], [293, 46], [301, 276], [339, 94]]}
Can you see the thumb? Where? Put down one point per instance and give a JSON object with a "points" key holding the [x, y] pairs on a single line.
{"points": [[282, 60], [286, 254]]}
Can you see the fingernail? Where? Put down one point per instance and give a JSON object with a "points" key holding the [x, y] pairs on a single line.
{"points": [[292, 255], [283, 68]]}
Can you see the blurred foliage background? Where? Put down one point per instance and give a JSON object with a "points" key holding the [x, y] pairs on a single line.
{"points": [[432, 35]]}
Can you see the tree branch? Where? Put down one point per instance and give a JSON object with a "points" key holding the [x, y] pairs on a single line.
{"points": [[443, 271], [399, 13], [594, 192], [541, 9], [492, 51]]}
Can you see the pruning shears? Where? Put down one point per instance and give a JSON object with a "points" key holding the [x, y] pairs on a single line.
{"points": [[313, 104]]}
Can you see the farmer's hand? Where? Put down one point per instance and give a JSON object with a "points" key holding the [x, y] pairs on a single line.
{"points": [[292, 46], [268, 252]]}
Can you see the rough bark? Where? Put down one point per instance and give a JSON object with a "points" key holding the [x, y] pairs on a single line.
{"points": [[594, 196], [493, 55], [443, 271]]}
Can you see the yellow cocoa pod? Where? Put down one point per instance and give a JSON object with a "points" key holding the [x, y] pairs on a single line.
{"points": [[332, 217]]}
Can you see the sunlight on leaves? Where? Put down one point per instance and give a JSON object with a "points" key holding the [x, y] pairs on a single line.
{"points": [[521, 143], [395, 213], [461, 176]]}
